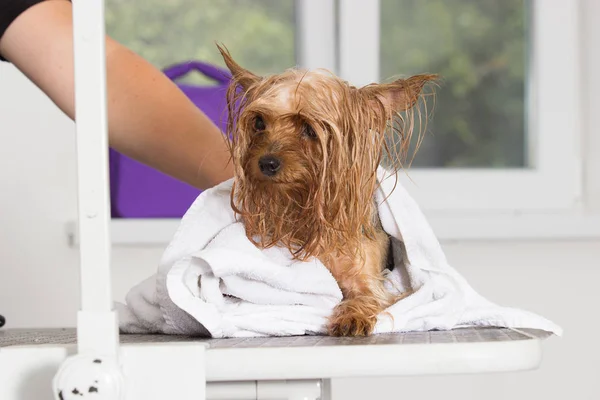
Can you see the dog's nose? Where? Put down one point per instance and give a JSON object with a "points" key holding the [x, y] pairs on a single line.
{"points": [[269, 165]]}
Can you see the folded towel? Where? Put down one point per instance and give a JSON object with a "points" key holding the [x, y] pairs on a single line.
{"points": [[212, 281]]}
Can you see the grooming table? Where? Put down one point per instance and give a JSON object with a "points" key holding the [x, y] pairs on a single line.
{"points": [[287, 367]]}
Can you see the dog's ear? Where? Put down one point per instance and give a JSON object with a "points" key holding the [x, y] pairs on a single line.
{"points": [[242, 76], [400, 95]]}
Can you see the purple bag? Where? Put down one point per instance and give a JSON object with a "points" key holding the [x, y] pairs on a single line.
{"points": [[138, 191]]}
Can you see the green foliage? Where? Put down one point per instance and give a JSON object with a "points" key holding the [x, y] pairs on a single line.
{"points": [[259, 34], [478, 48]]}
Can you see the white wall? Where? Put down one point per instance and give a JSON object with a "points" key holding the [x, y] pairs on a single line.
{"points": [[39, 271]]}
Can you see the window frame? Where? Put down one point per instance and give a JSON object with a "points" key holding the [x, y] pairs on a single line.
{"points": [[553, 183], [548, 202]]}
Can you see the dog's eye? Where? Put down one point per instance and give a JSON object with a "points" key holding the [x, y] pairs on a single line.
{"points": [[308, 131], [259, 124]]}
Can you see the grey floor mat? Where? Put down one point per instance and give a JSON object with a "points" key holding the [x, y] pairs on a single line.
{"points": [[28, 337]]}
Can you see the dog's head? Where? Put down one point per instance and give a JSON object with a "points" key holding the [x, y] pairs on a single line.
{"points": [[306, 147]]}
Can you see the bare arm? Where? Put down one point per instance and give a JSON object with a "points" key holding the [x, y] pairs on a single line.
{"points": [[149, 118]]}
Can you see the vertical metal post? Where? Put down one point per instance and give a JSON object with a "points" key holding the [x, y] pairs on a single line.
{"points": [[97, 323], [96, 365]]}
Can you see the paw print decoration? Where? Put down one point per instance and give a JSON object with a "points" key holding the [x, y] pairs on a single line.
{"points": [[85, 377]]}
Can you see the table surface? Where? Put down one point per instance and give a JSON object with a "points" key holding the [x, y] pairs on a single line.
{"points": [[465, 350]]}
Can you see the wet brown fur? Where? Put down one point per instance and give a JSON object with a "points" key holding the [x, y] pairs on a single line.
{"points": [[320, 204]]}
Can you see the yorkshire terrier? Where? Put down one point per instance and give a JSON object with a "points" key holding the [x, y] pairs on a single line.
{"points": [[306, 147]]}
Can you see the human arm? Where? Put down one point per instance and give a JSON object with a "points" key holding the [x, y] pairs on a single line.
{"points": [[149, 118]]}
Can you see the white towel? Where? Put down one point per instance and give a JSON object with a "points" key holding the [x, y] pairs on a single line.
{"points": [[212, 281]]}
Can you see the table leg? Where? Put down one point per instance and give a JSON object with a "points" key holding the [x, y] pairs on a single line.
{"points": [[326, 389], [289, 390], [269, 390]]}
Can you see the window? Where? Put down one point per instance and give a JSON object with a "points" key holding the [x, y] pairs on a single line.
{"points": [[505, 144], [505, 132], [480, 49], [259, 33]]}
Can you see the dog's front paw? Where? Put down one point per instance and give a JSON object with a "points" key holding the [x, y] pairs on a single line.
{"points": [[352, 318]]}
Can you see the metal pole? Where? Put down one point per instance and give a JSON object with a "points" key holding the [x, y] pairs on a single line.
{"points": [[97, 324], [95, 367]]}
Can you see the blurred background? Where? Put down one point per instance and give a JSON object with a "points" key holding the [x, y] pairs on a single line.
{"points": [[480, 48], [513, 192]]}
